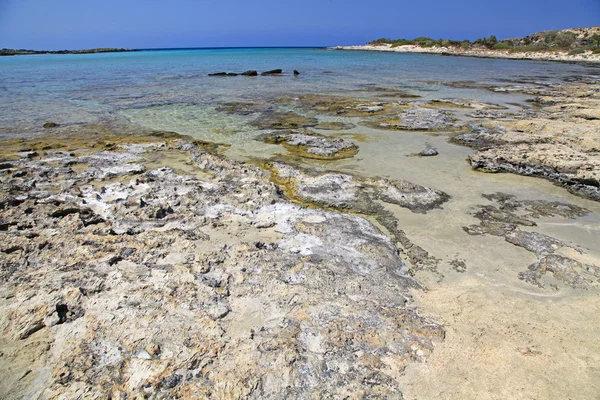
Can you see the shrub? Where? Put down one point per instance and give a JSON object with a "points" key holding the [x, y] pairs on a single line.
{"points": [[596, 38], [502, 46]]}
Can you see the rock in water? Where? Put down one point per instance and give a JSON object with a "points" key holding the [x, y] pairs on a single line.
{"points": [[429, 152], [250, 73], [272, 72]]}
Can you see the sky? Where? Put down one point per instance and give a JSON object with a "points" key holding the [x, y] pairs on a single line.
{"points": [[79, 24]]}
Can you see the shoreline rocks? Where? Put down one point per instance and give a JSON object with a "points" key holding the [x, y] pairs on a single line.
{"points": [[308, 144], [162, 284]]}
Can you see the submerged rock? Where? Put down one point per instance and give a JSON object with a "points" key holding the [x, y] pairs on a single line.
{"points": [[512, 214], [337, 105], [571, 272], [334, 126], [283, 120], [418, 119], [244, 108]]}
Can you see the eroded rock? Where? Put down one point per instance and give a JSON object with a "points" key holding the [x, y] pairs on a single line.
{"points": [[233, 290], [311, 145], [508, 219]]}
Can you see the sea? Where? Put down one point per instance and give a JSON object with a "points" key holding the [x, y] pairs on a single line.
{"points": [[170, 90]]}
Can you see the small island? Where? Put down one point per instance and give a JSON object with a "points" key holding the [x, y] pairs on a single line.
{"points": [[572, 45], [21, 52]]}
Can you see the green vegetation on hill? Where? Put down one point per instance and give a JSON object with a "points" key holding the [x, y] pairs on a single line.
{"points": [[13, 52], [575, 41]]}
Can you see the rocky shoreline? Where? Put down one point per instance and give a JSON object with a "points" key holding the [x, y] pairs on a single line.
{"points": [[151, 266], [558, 56], [129, 278]]}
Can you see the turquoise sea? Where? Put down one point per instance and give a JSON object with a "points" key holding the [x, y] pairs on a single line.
{"points": [[170, 89]]}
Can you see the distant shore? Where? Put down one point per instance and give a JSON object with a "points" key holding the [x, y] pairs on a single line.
{"points": [[24, 52], [561, 56]]}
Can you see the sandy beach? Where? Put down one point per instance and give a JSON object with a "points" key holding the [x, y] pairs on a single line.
{"points": [[560, 56]]}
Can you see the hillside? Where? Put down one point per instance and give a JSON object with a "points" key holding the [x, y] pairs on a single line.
{"points": [[574, 41]]}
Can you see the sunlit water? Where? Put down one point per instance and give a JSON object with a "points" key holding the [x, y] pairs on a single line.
{"points": [[171, 90]]}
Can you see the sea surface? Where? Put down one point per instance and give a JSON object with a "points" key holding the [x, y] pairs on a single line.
{"points": [[170, 90]]}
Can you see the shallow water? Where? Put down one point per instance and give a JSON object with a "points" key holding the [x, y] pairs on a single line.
{"points": [[170, 90]]}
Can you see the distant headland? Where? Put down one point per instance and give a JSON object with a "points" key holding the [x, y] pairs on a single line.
{"points": [[572, 45], [21, 52]]}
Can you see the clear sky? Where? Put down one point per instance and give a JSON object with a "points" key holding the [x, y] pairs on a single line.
{"points": [[76, 24]]}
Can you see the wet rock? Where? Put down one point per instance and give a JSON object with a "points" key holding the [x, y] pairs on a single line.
{"points": [[571, 272], [418, 119], [244, 108], [49, 125], [416, 198], [479, 137], [505, 221], [311, 145], [578, 173], [296, 73], [250, 73], [487, 114], [334, 126], [272, 72], [537, 243], [283, 120]]}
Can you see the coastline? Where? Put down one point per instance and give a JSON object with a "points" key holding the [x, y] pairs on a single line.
{"points": [[24, 52], [557, 56], [141, 262]]}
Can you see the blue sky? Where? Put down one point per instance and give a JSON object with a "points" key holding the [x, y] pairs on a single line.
{"points": [[75, 24]]}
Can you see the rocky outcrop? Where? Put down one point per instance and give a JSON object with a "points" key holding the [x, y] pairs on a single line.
{"points": [[163, 285], [578, 172], [311, 145], [353, 193]]}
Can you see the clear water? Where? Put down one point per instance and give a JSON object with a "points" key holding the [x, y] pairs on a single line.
{"points": [[171, 87], [171, 90]]}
